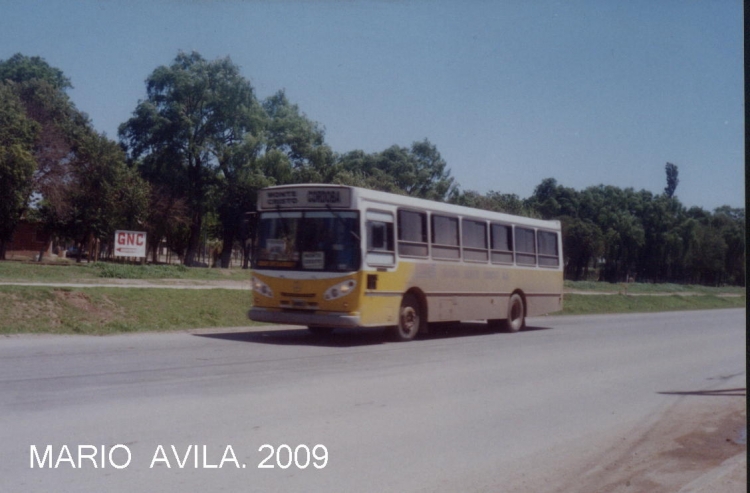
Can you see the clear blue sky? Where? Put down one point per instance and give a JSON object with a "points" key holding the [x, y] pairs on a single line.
{"points": [[511, 92]]}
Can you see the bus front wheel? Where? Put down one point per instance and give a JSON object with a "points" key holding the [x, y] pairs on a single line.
{"points": [[410, 319], [516, 314]]}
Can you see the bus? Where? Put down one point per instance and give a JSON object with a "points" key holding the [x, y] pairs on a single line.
{"points": [[333, 256]]}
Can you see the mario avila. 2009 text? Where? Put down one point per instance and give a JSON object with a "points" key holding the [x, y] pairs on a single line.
{"points": [[191, 456]]}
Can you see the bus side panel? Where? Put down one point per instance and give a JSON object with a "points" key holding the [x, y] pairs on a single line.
{"points": [[470, 292], [450, 308], [541, 305], [383, 293], [378, 309]]}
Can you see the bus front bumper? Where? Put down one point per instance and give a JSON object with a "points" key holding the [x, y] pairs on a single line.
{"points": [[304, 318]]}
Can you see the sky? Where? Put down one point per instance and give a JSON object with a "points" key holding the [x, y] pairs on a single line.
{"points": [[510, 92]]}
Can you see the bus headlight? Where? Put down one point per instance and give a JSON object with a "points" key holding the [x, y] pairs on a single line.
{"points": [[261, 288], [339, 290]]}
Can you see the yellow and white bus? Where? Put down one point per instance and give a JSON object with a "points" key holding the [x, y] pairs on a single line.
{"points": [[330, 256]]}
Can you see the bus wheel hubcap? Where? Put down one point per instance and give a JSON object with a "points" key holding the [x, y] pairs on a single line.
{"points": [[409, 319]]}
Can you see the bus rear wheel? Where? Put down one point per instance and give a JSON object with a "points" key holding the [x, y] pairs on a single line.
{"points": [[410, 319], [516, 314]]}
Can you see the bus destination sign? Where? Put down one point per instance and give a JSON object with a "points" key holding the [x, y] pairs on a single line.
{"points": [[305, 197]]}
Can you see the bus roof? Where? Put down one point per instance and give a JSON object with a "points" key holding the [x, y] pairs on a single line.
{"points": [[360, 195]]}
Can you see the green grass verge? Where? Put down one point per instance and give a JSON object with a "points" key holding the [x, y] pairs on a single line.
{"points": [[99, 311], [25, 309], [582, 304], [86, 272], [639, 287]]}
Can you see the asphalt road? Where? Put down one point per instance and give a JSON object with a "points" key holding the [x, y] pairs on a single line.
{"points": [[467, 410]]}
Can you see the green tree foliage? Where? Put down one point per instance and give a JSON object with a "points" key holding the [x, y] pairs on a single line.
{"points": [[419, 171], [186, 131], [552, 200], [631, 235], [102, 194], [508, 203], [290, 148], [290, 132], [583, 243], [731, 226], [238, 193], [208, 143], [21, 68], [672, 179], [41, 91], [359, 169], [81, 185], [18, 135], [617, 234]]}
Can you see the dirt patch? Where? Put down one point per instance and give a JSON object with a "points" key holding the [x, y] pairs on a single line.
{"points": [[31, 310], [19, 310], [101, 310], [696, 446]]}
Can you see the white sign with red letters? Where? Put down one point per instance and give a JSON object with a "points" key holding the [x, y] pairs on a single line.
{"points": [[130, 243]]}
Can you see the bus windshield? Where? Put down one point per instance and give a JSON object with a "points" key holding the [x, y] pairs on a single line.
{"points": [[326, 241]]}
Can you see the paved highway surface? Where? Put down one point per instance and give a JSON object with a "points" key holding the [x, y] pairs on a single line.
{"points": [[466, 410]]}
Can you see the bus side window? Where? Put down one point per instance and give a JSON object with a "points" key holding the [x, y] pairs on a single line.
{"points": [[412, 233], [502, 243], [548, 251], [474, 240], [525, 246], [379, 236], [380, 242], [445, 242]]}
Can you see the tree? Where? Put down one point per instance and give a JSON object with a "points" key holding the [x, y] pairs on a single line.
{"points": [[582, 242], [660, 257], [431, 177], [291, 132], [101, 195], [184, 133], [17, 164], [509, 203], [40, 89], [237, 196], [672, 180], [359, 169], [551, 200], [730, 224], [21, 68], [284, 147], [706, 256], [419, 171]]}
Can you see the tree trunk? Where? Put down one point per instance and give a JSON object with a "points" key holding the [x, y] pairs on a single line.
{"points": [[246, 256], [226, 248], [195, 238]]}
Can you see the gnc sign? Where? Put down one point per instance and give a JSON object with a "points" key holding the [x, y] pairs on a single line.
{"points": [[130, 244]]}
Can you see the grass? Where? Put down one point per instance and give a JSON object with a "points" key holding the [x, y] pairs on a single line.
{"points": [[87, 272], [26, 309], [102, 310], [581, 304], [650, 288]]}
